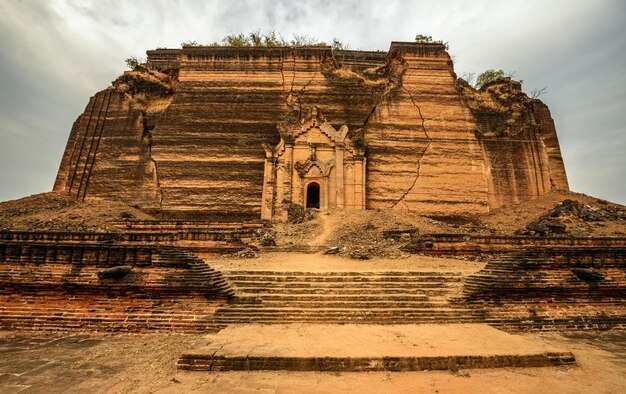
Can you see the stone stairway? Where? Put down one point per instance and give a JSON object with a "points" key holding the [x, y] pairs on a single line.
{"points": [[345, 297], [199, 274]]}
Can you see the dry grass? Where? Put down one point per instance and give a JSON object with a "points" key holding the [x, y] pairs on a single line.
{"points": [[348, 73], [148, 90], [151, 104]]}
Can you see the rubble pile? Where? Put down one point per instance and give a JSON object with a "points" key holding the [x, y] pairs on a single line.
{"points": [[570, 217]]}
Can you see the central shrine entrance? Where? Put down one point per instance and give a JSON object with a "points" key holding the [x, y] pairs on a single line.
{"points": [[313, 196], [313, 166]]}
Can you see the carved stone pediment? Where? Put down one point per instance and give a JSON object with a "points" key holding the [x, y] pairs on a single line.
{"points": [[302, 167]]}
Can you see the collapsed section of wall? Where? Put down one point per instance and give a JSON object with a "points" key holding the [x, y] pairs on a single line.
{"points": [[519, 142]]}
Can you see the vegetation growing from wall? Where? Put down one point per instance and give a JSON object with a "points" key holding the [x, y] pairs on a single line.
{"points": [[488, 76], [271, 39], [133, 62], [148, 89], [424, 39]]}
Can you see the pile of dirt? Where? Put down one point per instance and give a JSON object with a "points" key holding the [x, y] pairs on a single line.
{"points": [[299, 232], [360, 234], [381, 233], [59, 212], [559, 214], [370, 233], [572, 217]]}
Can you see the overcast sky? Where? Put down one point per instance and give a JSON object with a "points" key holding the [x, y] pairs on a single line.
{"points": [[56, 54]]}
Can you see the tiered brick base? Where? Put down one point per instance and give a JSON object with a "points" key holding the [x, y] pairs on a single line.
{"points": [[167, 289], [495, 245]]}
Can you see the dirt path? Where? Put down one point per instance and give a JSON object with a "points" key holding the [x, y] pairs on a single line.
{"points": [[328, 224]]}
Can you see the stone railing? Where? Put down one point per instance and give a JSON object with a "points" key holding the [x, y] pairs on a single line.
{"points": [[101, 255], [142, 236], [181, 225], [462, 244]]}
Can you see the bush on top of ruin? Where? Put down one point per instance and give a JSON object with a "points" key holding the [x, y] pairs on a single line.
{"points": [[133, 62], [488, 76], [424, 39], [271, 39]]}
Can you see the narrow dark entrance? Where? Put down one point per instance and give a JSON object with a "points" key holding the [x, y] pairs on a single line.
{"points": [[313, 196]]}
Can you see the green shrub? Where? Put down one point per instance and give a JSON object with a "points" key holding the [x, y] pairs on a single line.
{"points": [[133, 62], [190, 43], [424, 39], [501, 131], [358, 141], [291, 117], [488, 76]]}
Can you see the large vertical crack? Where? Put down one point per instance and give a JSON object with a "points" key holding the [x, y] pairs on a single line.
{"points": [[282, 69], [293, 70], [290, 95], [421, 156], [147, 135], [388, 88], [301, 91], [156, 178], [293, 98]]}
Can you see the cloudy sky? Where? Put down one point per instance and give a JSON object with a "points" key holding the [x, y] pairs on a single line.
{"points": [[57, 53]]}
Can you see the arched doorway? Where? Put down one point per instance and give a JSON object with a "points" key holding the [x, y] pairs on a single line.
{"points": [[313, 195]]}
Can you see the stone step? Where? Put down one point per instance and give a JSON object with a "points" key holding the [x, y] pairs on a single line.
{"points": [[338, 291], [126, 319], [290, 297], [342, 305], [57, 325], [346, 317], [307, 249], [341, 285], [343, 278], [348, 320], [344, 311], [366, 274]]}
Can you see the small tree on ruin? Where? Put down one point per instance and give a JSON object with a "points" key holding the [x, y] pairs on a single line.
{"points": [[488, 76]]}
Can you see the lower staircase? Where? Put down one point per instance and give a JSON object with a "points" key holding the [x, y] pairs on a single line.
{"points": [[345, 297]]}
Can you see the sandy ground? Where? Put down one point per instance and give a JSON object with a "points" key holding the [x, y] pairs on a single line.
{"points": [[282, 261], [35, 363]]}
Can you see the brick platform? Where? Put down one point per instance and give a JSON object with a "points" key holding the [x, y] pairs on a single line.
{"points": [[348, 348]]}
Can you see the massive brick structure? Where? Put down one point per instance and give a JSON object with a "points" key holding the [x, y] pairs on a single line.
{"points": [[196, 132]]}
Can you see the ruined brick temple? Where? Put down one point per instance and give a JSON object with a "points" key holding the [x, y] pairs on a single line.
{"points": [[242, 133], [217, 145]]}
